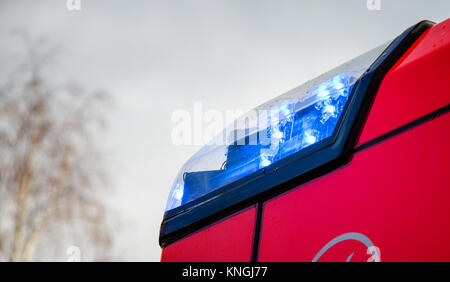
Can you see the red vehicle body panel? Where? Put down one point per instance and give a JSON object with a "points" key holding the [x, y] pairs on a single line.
{"points": [[395, 193], [227, 240], [417, 85]]}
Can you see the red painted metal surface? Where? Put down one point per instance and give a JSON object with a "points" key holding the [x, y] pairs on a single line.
{"points": [[417, 85], [396, 193], [227, 240]]}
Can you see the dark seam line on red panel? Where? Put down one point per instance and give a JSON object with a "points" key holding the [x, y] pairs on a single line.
{"points": [[257, 231], [403, 128]]}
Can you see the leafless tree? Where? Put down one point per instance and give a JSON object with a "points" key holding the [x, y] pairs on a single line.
{"points": [[51, 172]]}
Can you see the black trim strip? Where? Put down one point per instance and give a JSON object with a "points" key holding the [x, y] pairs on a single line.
{"points": [[257, 231], [403, 128], [379, 69]]}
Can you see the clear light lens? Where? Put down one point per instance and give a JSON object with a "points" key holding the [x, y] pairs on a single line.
{"points": [[279, 128]]}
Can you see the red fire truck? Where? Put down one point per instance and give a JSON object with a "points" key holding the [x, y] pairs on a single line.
{"points": [[351, 166]]}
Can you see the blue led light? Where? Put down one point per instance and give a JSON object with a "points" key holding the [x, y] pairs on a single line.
{"points": [[323, 92], [328, 111], [276, 133], [292, 125], [310, 137], [178, 193], [264, 162], [337, 82], [284, 109], [281, 129], [176, 196]]}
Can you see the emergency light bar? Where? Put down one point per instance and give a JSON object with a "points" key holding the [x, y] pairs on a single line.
{"points": [[284, 126], [306, 128]]}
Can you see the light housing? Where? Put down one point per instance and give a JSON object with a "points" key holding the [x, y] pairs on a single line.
{"points": [[281, 127], [239, 169]]}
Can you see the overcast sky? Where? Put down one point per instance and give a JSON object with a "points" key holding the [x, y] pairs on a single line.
{"points": [[155, 57]]}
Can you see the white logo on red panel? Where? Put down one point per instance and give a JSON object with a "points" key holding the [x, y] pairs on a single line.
{"points": [[372, 250]]}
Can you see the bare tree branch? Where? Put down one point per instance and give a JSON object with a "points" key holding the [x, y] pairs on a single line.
{"points": [[50, 169]]}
